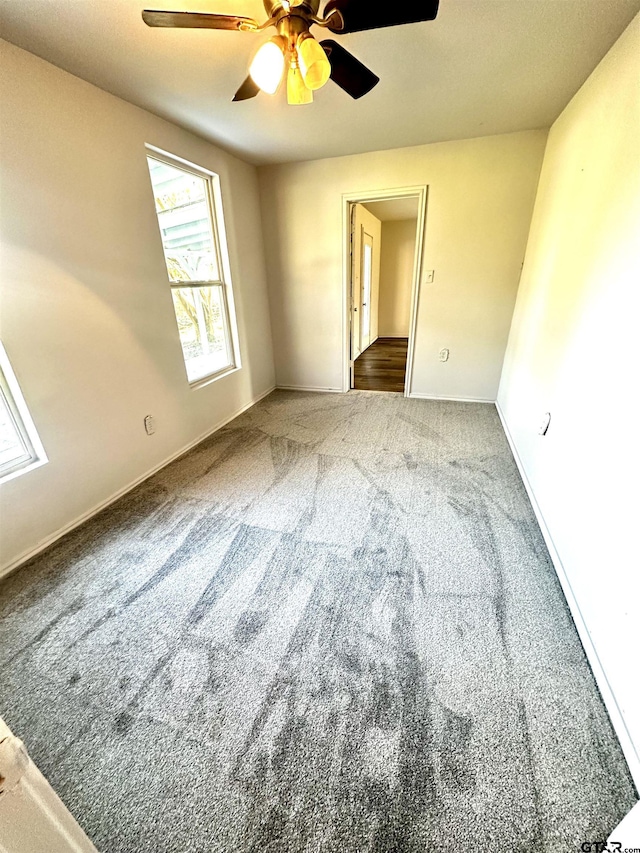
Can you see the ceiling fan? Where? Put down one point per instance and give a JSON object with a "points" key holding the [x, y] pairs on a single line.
{"points": [[308, 64]]}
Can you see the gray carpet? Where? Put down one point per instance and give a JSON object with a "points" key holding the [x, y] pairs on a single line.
{"points": [[333, 626]]}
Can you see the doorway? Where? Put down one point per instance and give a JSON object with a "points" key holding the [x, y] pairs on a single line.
{"points": [[384, 243]]}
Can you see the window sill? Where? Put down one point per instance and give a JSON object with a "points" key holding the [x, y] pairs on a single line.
{"points": [[37, 463], [207, 380]]}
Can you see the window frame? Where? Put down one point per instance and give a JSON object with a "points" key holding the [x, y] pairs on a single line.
{"points": [[215, 213], [34, 454]]}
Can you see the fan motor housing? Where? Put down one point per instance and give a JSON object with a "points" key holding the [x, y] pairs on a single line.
{"points": [[274, 7]]}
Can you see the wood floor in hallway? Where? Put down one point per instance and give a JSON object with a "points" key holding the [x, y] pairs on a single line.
{"points": [[382, 366]]}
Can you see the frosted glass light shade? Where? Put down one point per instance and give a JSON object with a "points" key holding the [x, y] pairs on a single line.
{"points": [[268, 65], [297, 92], [314, 64]]}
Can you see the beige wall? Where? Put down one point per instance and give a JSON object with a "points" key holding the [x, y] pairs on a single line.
{"points": [[481, 194], [87, 318], [396, 275], [574, 351]]}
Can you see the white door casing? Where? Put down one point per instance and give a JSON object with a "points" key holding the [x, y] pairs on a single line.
{"points": [[350, 202], [356, 271]]}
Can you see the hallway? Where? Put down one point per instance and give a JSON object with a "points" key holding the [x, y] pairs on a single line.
{"points": [[382, 366]]}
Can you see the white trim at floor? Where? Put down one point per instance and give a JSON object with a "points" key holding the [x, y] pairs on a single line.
{"points": [[309, 388], [441, 398], [416, 396], [608, 696], [41, 546]]}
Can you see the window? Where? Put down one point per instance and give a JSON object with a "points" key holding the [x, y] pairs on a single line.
{"points": [[189, 212], [20, 447]]}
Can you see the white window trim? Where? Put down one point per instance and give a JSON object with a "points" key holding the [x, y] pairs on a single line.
{"points": [[22, 419], [214, 197]]}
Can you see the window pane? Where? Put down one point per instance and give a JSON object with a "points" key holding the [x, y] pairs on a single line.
{"points": [[182, 208], [12, 447], [200, 315]]}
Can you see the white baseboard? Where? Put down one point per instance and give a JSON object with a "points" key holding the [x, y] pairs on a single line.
{"points": [[627, 832], [410, 396], [608, 696], [45, 543], [416, 396], [309, 388]]}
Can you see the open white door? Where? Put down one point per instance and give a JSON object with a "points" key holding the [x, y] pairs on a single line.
{"points": [[33, 819], [366, 231], [366, 291]]}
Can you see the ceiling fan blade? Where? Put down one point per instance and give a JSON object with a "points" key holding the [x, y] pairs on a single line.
{"points": [[200, 20], [347, 71], [248, 90], [361, 15]]}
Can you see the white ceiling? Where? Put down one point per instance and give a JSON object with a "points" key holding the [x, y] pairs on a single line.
{"points": [[482, 67], [393, 209]]}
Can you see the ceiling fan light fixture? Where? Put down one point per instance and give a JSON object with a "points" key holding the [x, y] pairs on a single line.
{"points": [[297, 92], [267, 66], [314, 65], [309, 65]]}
